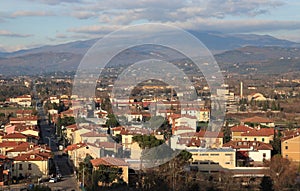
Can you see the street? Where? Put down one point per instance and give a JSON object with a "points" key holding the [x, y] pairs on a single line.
{"points": [[68, 181]]}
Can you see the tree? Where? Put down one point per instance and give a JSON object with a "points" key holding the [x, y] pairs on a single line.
{"points": [[282, 172], [112, 121], [147, 141], [86, 168], [266, 184], [106, 175]]}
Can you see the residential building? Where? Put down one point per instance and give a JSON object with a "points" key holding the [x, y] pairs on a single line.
{"points": [[113, 162], [212, 160], [31, 164], [290, 146], [254, 152]]}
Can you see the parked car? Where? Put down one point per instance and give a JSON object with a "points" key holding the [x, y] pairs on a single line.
{"points": [[53, 180]]}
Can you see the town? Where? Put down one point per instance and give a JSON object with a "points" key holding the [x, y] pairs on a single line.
{"points": [[148, 142]]}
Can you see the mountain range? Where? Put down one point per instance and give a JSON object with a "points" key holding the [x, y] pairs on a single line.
{"points": [[228, 49]]}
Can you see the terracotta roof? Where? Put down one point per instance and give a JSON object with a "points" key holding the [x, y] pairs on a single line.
{"points": [[260, 132], [2, 157], [109, 161], [105, 145], [241, 128], [31, 118], [75, 146], [9, 144], [93, 134], [74, 126], [178, 128], [21, 111], [30, 157], [291, 135], [208, 134], [257, 119], [14, 136], [255, 145]]}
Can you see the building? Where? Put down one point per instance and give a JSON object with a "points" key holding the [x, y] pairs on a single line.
{"points": [[212, 160], [290, 146], [258, 121], [245, 133], [77, 152], [31, 164], [251, 151], [15, 137], [113, 162], [5, 170], [201, 139]]}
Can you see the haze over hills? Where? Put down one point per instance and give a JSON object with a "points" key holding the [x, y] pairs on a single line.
{"points": [[238, 48]]}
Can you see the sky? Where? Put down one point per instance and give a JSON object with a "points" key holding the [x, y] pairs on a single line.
{"points": [[32, 23]]}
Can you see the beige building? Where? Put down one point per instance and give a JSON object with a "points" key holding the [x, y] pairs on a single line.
{"points": [[77, 152], [213, 159], [290, 146], [31, 164], [245, 133]]}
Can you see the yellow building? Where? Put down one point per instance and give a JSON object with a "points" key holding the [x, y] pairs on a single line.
{"points": [[77, 152], [15, 137], [245, 133], [213, 159], [290, 146], [32, 164]]}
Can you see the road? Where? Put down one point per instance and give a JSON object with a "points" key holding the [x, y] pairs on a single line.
{"points": [[68, 181]]}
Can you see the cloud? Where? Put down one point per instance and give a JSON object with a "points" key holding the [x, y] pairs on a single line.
{"points": [[12, 34], [83, 14], [56, 2], [95, 29], [30, 13]]}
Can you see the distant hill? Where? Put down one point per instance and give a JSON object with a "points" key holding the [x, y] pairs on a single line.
{"points": [[238, 48], [268, 60]]}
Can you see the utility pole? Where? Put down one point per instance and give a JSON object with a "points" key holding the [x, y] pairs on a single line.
{"points": [[83, 176]]}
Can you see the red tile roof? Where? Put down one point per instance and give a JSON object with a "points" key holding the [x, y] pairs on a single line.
{"points": [[241, 128], [255, 145], [93, 134], [208, 134], [109, 161], [178, 128], [9, 144], [31, 118], [105, 145], [260, 132], [257, 119], [74, 126], [291, 134], [30, 157], [75, 146], [14, 136]]}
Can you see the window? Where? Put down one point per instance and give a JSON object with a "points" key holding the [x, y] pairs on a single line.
{"points": [[264, 155], [213, 154], [286, 156], [286, 147], [29, 167], [263, 139], [254, 139], [203, 154], [227, 162], [20, 167], [228, 154]]}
